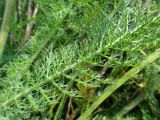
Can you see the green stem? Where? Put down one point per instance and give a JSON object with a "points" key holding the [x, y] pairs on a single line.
{"points": [[110, 89], [7, 20], [132, 104], [62, 103]]}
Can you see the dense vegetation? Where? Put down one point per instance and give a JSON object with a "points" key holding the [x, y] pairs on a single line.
{"points": [[80, 59]]}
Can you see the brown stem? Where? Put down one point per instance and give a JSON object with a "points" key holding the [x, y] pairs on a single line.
{"points": [[30, 14]]}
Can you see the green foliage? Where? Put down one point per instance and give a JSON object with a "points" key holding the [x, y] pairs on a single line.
{"points": [[74, 41]]}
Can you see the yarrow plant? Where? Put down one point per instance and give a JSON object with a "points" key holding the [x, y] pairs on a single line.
{"points": [[84, 59]]}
